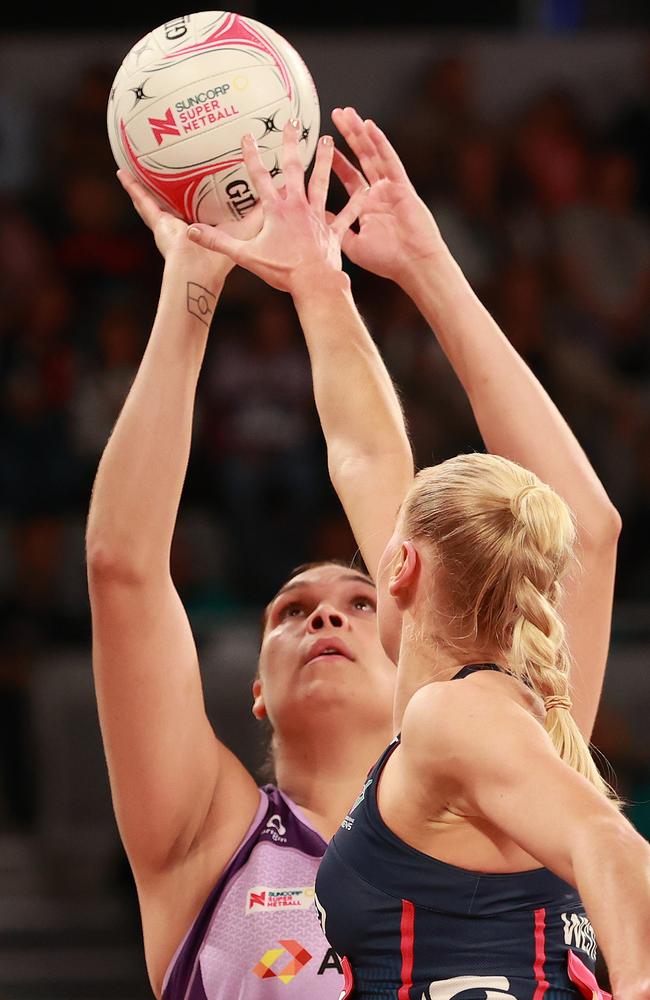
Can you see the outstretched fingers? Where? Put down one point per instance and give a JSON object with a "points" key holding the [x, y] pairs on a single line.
{"points": [[350, 213], [351, 178], [352, 128], [259, 175], [320, 175], [391, 165], [292, 167]]}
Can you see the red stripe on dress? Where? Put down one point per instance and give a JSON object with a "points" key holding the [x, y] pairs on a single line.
{"points": [[407, 927], [540, 954]]}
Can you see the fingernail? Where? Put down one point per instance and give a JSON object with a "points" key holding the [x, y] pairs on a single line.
{"points": [[327, 140], [294, 123], [249, 139], [193, 233]]}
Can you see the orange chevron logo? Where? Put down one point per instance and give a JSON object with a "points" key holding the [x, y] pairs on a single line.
{"points": [[299, 958]]}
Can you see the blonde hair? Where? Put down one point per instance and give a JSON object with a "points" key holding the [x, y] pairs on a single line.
{"points": [[503, 541]]}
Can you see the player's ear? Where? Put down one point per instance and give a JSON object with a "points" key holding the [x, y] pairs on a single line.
{"points": [[259, 708], [404, 573]]}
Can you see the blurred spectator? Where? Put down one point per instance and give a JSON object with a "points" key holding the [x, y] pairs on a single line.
{"points": [[102, 243], [604, 255], [440, 113], [78, 135], [470, 217], [262, 433], [550, 152], [18, 784], [630, 130], [437, 413], [634, 552], [591, 396], [105, 378]]}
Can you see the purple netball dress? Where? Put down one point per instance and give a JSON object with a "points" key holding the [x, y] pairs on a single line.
{"points": [[257, 936]]}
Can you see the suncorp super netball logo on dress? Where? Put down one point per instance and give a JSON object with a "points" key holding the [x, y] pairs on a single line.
{"points": [[262, 898]]}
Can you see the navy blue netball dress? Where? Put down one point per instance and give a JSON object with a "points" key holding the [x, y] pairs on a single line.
{"points": [[408, 927]]}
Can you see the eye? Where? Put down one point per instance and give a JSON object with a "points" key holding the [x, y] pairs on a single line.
{"points": [[291, 610], [363, 604]]}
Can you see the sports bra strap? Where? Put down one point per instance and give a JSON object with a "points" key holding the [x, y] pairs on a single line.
{"points": [[471, 668]]}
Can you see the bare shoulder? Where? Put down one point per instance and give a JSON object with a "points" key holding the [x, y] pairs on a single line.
{"points": [[453, 728]]}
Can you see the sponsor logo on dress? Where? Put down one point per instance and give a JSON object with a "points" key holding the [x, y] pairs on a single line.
{"points": [[349, 821], [275, 829], [274, 964], [263, 898], [447, 989], [578, 933], [284, 970]]}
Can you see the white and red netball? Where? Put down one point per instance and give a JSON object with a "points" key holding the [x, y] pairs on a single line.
{"points": [[185, 95]]}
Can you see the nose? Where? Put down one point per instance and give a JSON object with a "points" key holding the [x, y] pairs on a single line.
{"points": [[325, 616]]}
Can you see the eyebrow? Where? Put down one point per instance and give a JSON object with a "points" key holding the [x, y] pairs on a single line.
{"points": [[352, 577]]}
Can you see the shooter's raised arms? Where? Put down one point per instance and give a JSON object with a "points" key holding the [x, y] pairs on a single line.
{"points": [[182, 801]]}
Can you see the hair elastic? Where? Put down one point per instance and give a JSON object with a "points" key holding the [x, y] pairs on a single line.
{"points": [[558, 701]]}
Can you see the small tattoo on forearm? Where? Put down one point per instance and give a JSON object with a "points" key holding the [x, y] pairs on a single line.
{"points": [[200, 302]]}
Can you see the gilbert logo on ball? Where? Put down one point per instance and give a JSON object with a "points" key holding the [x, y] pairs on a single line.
{"points": [[184, 96]]}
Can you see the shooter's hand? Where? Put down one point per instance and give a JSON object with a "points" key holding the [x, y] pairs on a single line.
{"points": [[170, 233], [297, 243]]}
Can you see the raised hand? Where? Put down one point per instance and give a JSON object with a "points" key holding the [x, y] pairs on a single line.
{"points": [[170, 233], [298, 240], [396, 229]]}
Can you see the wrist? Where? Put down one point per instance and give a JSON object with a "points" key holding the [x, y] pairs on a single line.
{"points": [[210, 274], [318, 282], [418, 272], [435, 282]]}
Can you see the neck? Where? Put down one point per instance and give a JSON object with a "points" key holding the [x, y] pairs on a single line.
{"points": [[323, 775], [423, 663]]}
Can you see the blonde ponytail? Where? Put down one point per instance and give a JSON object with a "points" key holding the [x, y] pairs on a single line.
{"points": [[503, 541], [539, 654]]}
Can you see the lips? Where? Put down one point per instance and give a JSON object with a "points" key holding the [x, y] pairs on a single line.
{"points": [[328, 646]]}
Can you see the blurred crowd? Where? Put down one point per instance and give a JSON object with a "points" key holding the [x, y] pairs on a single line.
{"points": [[547, 213]]}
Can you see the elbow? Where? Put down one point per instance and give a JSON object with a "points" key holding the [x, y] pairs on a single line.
{"points": [[107, 565], [345, 468], [604, 530]]}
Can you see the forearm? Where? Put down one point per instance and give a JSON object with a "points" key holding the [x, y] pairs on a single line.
{"points": [[369, 454], [612, 874], [515, 415], [140, 477], [360, 412]]}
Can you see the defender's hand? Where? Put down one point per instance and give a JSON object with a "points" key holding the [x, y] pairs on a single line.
{"points": [[396, 229]]}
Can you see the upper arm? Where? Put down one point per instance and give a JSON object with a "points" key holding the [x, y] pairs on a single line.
{"points": [[168, 772], [587, 612], [496, 761]]}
